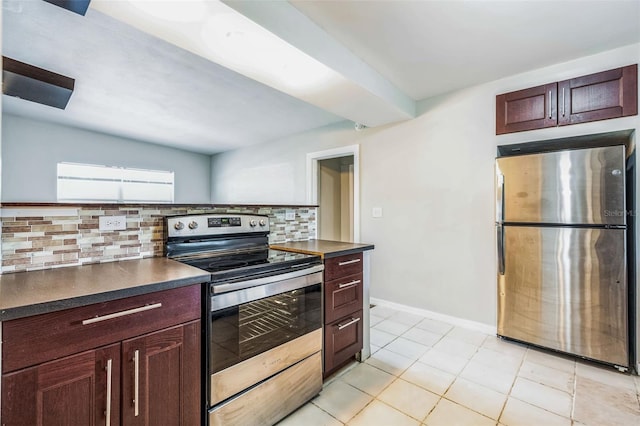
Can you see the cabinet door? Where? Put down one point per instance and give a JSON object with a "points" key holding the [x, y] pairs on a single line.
{"points": [[342, 339], [528, 109], [161, 377], [68, 391], [608, 94]]}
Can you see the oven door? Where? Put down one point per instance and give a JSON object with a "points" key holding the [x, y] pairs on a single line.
{"points": [[257, 331]]}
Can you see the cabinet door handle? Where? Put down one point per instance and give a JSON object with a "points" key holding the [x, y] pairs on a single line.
{"points": [[121, 314], [352, 283], [108, 413], [549, 103], [136, 383], [348, 262], [563, 101], [345, 325]]}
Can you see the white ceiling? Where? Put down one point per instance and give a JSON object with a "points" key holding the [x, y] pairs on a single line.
{"points": [[426, 48], [140, 84]]}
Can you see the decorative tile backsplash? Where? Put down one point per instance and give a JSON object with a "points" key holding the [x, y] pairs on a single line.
{"points": [[57, 236]]}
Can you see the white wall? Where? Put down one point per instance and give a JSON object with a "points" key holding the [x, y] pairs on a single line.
{"points": [[32, 149], [433, 177]]}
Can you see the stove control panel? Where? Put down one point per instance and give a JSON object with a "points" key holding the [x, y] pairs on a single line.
{"points": [[203, 225], [219, 222]]}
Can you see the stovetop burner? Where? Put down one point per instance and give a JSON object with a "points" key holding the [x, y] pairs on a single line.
{"points": [[221, 266], [224, 267]]}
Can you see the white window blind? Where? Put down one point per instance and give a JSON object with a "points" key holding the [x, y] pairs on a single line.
{"points": [[96, 183]]}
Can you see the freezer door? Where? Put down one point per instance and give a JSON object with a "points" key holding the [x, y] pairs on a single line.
{"points": [[582, 186], [566, 289]]}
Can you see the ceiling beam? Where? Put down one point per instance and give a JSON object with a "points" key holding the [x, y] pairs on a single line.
{"points": [[285, 21], [351, 90]]}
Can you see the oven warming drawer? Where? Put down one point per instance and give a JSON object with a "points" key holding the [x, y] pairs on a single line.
{"points": [[273, 399], [234, 379]]}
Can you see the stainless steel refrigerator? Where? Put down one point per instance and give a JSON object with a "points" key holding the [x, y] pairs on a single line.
{"points": [[562, 272]]}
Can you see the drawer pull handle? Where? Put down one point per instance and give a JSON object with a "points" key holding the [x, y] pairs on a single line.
{"points": [[348, 262], [352, 283], [549, 103], [121, 313], [136, 383], [353, 321], [108, 413]]}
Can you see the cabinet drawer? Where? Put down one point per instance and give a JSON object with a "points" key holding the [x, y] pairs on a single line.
{"points": [[33, 340], [342, 340], [342, 266], [342, 297]]}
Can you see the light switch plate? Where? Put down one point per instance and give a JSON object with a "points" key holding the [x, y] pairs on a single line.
{"points": [[376, 212], [290, 215], [112, 223]]}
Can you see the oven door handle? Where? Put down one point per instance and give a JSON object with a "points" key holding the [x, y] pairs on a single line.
{"points": [[241, 285], [237, 298]]}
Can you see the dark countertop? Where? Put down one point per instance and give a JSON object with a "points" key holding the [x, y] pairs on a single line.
{"points": [[325, 248], [31, 293]]}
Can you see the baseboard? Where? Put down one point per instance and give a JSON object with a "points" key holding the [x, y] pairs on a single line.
{"points": [[460, 322]]}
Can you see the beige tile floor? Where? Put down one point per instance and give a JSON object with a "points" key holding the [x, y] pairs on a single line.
{"points": [[427, 372]]}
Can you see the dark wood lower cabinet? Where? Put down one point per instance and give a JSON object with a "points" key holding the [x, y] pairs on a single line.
{"points": [[145, 372], [343, 298], [160, 384], [68, 391], [342, 340], [161, 380]]}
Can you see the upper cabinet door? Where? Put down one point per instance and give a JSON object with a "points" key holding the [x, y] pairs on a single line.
{"points": [[608, 94], [527, 109]]}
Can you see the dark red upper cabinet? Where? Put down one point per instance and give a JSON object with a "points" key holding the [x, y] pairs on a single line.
{"points": [[608, 94], [527, 109]]}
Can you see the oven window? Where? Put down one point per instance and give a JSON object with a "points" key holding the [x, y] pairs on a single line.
{"points": [[241, 332]]}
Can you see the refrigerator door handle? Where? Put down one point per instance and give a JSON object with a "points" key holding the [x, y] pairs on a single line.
{"points": [[500, 199], [500, 234]]}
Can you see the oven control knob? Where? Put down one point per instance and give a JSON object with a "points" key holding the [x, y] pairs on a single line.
{"points": [[193, 224], [179, 226], [252, 223], [263, 222]]}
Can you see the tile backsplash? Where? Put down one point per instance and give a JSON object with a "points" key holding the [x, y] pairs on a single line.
{"points": [[44, 237]]}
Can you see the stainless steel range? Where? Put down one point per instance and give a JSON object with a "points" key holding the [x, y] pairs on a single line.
{"points": [[263, 336]]}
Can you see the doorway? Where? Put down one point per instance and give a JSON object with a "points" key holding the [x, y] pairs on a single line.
{"points": [[335, 198], [333, 184]]}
